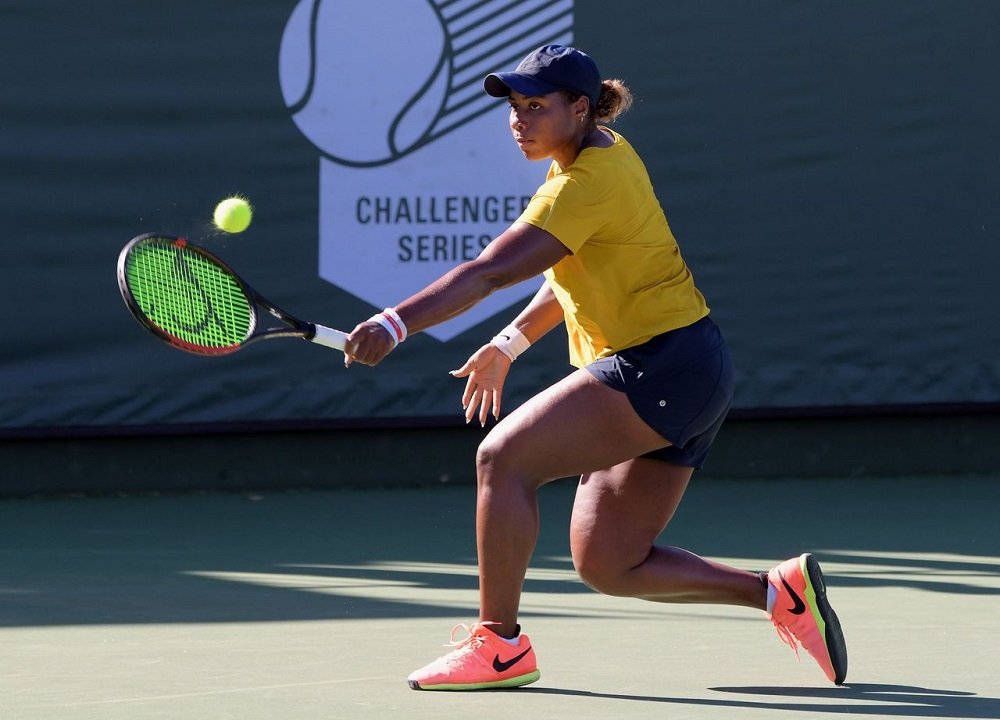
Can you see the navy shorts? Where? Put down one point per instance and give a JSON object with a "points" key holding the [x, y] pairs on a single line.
{"points": [[680, 383]]}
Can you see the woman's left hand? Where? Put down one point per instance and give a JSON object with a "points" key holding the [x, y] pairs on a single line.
{"points": [[487, 370]]}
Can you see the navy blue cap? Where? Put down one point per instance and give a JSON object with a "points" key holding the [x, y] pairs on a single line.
{"points": [[548, 69]]}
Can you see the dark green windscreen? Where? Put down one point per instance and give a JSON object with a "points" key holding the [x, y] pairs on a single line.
{"points": [[830, 170]]}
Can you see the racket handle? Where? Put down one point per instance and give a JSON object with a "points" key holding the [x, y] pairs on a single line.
{"points": [[329, 337]]}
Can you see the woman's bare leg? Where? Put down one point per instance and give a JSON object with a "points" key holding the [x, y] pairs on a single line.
{"points": [[617, 516], [581, 427]]}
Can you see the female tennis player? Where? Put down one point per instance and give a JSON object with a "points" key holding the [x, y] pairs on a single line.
{"points": [[653, 384]]}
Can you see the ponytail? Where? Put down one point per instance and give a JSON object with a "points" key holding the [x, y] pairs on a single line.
{"points": [[615, 100]]}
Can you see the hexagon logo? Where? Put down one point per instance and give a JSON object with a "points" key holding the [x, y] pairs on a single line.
{"points": [[418, 172]]}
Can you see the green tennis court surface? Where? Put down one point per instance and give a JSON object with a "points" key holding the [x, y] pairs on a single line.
{"points": [[318, 605]]}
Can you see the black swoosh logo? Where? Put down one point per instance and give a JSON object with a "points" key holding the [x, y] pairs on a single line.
{"points": [[798, 607], [501, 666]]}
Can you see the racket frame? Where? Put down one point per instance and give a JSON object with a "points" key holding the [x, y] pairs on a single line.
{"points": [[296, 328]]}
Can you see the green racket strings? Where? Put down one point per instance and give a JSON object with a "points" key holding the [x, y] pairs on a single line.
{"points": [[188, 296]]}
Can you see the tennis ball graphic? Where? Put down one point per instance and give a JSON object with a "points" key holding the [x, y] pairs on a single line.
{"points": [[364, 87], [374, 84]]}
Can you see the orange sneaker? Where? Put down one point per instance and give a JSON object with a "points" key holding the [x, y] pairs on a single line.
{"points": [[482, 660], [802, 615]]}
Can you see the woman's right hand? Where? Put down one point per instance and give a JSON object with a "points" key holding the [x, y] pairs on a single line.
{"points": [[367, 344], [486, 369]]}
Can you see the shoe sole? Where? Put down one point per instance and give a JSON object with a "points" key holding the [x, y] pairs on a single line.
{"points": [[495, 685], [836, 647]]}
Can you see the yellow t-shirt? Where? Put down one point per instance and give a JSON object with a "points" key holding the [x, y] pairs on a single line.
{"points": [[625, 281]]}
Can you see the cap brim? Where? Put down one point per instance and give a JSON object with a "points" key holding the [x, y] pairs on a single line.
{"points": [[501, 85]]}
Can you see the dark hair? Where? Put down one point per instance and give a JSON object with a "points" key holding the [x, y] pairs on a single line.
{"points": [[615, 99]]}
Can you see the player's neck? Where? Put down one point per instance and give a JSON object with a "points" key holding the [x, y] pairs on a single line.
{"points": [[597, 137]]}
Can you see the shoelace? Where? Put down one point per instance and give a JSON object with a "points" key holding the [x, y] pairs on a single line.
{"points": [[784, 632], [470, 643], [471, 637], [787, 637]]}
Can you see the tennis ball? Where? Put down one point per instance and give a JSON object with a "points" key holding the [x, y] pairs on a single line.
{"points": [[233, 215]]}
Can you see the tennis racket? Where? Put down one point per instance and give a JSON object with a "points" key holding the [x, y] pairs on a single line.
{"points": [[190, 299]]}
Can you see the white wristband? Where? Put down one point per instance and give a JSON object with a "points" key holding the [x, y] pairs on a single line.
{"points": [[382, 320], [398, 321], [511, 342]]}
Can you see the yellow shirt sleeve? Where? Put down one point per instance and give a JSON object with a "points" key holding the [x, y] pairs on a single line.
{"points": [[581, 213]]}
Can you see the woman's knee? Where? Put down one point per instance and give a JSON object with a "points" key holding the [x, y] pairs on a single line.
{"points": [[601, 571], [496, 465], [489, 458], [502, 463]]}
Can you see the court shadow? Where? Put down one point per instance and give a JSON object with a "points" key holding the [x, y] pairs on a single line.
{"points": [[856, 698], [409, 553]]}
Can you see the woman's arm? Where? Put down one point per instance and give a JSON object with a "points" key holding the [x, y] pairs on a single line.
{"points": [[488, 367], [522, 251], [540, 315]]}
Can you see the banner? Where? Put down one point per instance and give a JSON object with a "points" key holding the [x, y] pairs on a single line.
{"points": [[830, 171], [416, 175]]}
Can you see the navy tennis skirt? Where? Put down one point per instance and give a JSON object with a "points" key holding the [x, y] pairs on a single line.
{"points": [[680, 383]]}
